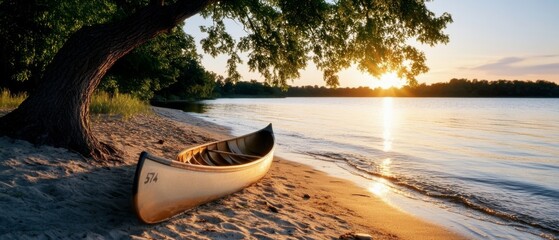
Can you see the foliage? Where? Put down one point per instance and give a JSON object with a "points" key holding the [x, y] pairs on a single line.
{"points": [[31, 32], [483, 88], [152, 66], [247, 89], [9, 100], [118, 104], [283, 36], [194, 82]]}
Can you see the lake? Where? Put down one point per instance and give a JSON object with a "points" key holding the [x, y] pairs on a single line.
{"points": [[488, 168]]}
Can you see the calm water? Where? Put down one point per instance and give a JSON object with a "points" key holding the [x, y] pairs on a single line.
{"points": [[491, 164]]}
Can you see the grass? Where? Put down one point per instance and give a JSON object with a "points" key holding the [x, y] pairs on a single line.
{"points": [[120, 104], [9, 100], [102, 103]]}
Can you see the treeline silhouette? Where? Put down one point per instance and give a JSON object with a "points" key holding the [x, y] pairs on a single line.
{"points": [[453, 88]]}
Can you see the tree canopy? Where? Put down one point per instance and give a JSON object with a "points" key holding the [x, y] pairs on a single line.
{"points": [[283, 36]]}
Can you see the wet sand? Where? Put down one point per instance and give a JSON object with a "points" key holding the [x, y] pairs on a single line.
{"points": [[48, 192]]}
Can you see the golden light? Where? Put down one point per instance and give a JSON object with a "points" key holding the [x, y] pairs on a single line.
{"points": [[389, 80], [385, 167], [379, 188]]}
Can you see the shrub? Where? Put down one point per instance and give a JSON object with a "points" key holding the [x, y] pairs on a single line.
{"points": [[119, 104], [9, 100]]}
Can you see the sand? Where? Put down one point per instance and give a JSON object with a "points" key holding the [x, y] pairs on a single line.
{"points": [[52, 193]]}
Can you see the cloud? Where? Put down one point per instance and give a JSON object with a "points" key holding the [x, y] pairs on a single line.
{"points": [[549, 56], [518, 66]]}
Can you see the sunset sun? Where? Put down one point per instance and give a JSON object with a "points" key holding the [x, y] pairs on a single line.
{"points": [[389, 80]]}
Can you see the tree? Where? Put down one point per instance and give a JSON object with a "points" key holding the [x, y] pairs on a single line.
{"points": [[152, 66], [194, 82], [282, 36]]}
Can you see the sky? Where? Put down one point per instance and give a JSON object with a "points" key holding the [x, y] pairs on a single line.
{"points": [[489, 39]]}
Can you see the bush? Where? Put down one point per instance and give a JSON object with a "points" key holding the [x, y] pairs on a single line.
{"points": [[8, 100], [119, 104]]}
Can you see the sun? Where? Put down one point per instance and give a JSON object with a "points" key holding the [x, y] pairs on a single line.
{"points": [[389, 80]]}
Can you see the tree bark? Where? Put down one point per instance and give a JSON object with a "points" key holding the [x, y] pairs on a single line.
{"points": [[57, 112]]}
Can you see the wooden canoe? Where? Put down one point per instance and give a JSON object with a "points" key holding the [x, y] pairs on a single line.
{"points": [[164, 188]]}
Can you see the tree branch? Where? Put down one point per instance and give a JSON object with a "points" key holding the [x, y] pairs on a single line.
{"points": [[187, 8]]}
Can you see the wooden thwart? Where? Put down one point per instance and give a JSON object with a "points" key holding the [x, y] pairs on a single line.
{"points": [[234, 154]]}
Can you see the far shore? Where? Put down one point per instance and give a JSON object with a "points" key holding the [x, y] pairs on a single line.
{"points": [[48, 192]]}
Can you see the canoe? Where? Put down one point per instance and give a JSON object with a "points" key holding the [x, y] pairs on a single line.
{"points": [[164, 188]]}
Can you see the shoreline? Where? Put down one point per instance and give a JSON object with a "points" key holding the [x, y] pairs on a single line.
{"points": [[54, 193]]}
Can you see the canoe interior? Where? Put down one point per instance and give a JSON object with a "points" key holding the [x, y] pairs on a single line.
{"points": [[236, 151]]}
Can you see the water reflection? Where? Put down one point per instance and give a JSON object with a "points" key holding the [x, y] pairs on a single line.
{"points": [[187, 106], [384, 167], [380, 187], [388, 119]]}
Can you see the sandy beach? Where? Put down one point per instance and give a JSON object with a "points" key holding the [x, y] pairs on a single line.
{"points": [[52, 193]]}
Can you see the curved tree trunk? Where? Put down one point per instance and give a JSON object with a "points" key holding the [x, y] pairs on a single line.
{"points": [[57, 112]]}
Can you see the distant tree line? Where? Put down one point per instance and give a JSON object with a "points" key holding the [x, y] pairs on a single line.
{"points": [[453, 88], [252, 88], [482, 88]]}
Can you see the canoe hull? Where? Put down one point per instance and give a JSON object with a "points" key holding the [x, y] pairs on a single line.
{"points": [[164, 188]]}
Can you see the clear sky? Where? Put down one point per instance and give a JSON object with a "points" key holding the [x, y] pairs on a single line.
{"points": [[489, 39]]}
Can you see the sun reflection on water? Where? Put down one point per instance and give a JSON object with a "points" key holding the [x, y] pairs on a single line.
{"points": [[380, 187], [385, 167]]}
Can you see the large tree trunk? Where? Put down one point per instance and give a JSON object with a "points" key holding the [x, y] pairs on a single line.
{"points": [[57, 112]]}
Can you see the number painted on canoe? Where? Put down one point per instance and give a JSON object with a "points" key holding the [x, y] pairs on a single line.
{"points": [[151, 178]]}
